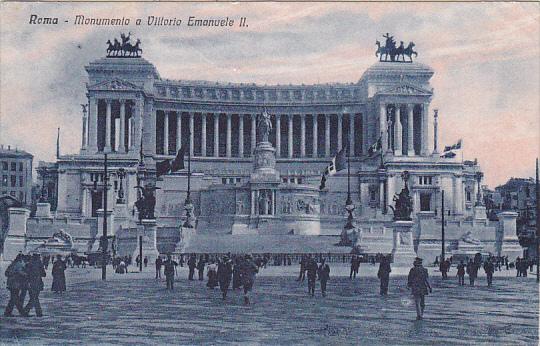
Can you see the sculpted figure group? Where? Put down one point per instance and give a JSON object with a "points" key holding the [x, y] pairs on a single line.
{"points": [[389, 52], [125, 48]]}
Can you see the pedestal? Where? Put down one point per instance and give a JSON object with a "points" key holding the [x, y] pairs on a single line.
{"points": [[509, 242], [149, 240], [15, 241], [43, 210], [403, 248], [480, 212], [185, 236]]}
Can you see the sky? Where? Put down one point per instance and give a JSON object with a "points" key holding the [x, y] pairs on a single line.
{"points": [[486, 58]]}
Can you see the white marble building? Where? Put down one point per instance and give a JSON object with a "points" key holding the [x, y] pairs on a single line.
{"points": [[130, 106]]}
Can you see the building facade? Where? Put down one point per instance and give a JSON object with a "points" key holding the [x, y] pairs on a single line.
{"points": [[16, 174]]}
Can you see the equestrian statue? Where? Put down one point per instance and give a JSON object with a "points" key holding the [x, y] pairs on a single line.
{"points": [[390, 53], [124, 49]]}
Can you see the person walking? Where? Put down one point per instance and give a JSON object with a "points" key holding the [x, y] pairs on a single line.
{"points": [[237, 279], [461, 273], [169, 267], [324, 275], [159, 263], [248, 270], [443, 267], [200, 268], [489, 268], [212, 275], [192, 264], [418, 282], [518, 267], [145, 261], [311, 268], [16, 282], [302, 274], [224, 275], [355, 264], [35, 272], [384, 274], [472, 270], [59, 276]]}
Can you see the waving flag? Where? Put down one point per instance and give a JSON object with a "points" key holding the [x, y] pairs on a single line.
{"points": [[450, 150], [338, 163]]}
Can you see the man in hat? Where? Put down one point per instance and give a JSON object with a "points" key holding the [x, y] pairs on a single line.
{"points": [[248, 269], [35, 272], [170, 267], [384, 274], [224, 274], [311, 268], [324, 275], [419, 285]]}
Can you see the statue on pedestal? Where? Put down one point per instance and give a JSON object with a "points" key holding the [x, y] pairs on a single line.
{"points": [[146, 203], [264, 126], [403, 202]]}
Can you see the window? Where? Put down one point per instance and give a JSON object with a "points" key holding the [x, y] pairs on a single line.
{"points": [[372, 195], [21, 196], [14, 166], [285, 180], [4, 165], [21, 181], [13, 180], [20, 166], [4, 180], [231, 181], [425, 180], [425, 202], [224, 181], [299, 180], [468, 195]]}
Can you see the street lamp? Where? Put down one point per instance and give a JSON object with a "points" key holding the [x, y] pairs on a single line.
{"points": [[104, 242]]}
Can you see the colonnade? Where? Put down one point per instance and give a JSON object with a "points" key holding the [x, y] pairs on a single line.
{"points": [[398, 130], [295, 141]]}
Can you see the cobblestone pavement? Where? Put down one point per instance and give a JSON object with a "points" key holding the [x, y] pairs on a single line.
{"points": [[136, 309]]}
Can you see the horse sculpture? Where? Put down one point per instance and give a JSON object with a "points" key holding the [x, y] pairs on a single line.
{"points": [[124, 49], [390, 53]]}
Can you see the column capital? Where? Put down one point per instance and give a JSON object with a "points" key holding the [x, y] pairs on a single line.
{"points": [[108, 101], [122, 101]]}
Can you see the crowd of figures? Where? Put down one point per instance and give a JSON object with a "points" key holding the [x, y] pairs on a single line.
{"points": [[25, 277], [238, 271]]}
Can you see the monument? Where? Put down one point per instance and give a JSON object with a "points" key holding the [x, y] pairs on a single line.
{"points": [[402, 248]]}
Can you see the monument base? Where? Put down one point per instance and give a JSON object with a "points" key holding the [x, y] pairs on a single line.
{"points": [[149, 240], [480, 212], [403, 249], [43, 210]]}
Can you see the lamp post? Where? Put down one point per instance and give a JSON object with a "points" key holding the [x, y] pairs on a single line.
{"points": [[188, 205], [121, 196], [141, 177], [103, 242]]}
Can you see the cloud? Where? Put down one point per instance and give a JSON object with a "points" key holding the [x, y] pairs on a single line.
{"points": [[485, 57]]}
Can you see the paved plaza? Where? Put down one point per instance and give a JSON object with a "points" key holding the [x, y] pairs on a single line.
{"points": [[136, 309]]}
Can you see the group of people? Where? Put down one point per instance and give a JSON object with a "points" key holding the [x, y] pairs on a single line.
{"points": [[522, 264], [25, 276]]}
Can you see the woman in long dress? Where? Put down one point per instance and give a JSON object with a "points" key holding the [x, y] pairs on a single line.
{"points": [[59, 276]]}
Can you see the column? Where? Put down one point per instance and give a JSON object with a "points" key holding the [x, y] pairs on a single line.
{"points": [[454, 195], [191, 133], [84, 137], [410, 130], [121, 144], [240, 135], [390, 188], [253, 132], [148, 127], [351, 133], [229, 130], [108, 127], [165, 132], [397, 131], [137, 119], [327, 135], [92, 124], [216, 134], [84, 202], [203, 134], [278, 135], [435, 125], [290, 135], [178, 130], [315, 135], [383, 128], [424, 130], [302, 135], [339, 131]]}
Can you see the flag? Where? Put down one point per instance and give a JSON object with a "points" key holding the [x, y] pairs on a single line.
{"points": [[338, 163], [163, 167], [375, 147], [449, 150], [178, 162]]}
